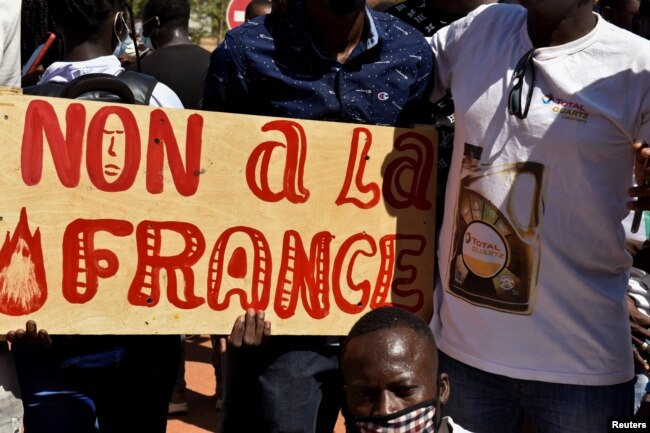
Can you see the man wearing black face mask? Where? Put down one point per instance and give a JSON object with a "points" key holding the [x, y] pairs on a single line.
{"points": [[330, 60], [389, 363]]}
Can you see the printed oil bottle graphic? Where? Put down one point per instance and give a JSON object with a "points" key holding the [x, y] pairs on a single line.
{"points": [[495, 256]]}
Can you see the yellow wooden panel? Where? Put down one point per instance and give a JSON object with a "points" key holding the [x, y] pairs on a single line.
{"points": [[127, 219]]}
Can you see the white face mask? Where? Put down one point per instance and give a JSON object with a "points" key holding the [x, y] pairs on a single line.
{"points": [[420, 418], [127, 49], [123, 45]]}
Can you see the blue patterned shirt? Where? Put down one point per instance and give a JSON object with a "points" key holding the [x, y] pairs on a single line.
{"points": [[270, 66]]}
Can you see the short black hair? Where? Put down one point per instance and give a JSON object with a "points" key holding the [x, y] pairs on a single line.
{"points": [[174, 12], [85, 16], [37, 18], [252, 8], [390, 318]]}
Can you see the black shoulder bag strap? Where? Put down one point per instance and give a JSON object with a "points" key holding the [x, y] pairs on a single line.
{"points": [[140, 84]]}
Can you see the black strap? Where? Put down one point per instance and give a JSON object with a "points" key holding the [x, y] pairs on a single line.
{"points": [[98, 87], [52, 89], [128, 87], [141, 85]]}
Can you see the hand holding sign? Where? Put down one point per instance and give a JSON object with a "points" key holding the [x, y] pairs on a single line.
{"points": [[30, 335], [249, 330]]}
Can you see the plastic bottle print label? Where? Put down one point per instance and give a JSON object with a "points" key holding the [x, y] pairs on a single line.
{"points": [[495, 249]]}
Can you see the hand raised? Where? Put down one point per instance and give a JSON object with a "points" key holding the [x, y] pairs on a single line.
{"points": [[249, 330], [30, 335]]}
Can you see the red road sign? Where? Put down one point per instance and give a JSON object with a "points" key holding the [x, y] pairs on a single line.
{"points": [[235, 12]]}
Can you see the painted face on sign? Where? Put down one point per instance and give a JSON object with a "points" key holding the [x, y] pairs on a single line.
{"points": [[113, 148], [113, 153]]}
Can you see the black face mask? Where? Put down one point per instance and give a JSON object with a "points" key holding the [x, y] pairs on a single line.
{"points": [[342, 7], [422, 417]]}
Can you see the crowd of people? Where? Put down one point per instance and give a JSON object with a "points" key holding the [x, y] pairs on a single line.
{"points": [[543, 115]]}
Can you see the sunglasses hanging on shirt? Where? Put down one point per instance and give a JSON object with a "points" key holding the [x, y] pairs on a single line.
{"points": [[524, 65]]}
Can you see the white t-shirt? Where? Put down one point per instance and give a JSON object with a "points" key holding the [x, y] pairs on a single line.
{"points": [[10, 43], [63, 72], [449, 426], [531, 253]]}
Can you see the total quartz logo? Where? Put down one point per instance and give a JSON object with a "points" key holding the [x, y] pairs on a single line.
{"points": [[484, 250], [566, 109]]}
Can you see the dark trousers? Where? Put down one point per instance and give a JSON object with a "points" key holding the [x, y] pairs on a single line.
{"points": [[90, 384], [288, 385]]}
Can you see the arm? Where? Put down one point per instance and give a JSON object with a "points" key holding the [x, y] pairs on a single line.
{"points": [[417, 109], [641, 157], [226, 84], [450, 44], [441, 74], [10, 44]]}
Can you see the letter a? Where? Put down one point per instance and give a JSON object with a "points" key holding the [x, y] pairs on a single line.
{"points": [[257, 168], [407, 179]]}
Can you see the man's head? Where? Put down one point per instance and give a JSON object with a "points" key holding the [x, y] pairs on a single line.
{"points": [[257, 8], [162, 18], [101, 22], [389, 363], [621, 13], [340, 8]]}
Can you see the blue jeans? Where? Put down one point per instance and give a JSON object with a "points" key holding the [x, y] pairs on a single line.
{"points": [[91, 384], [489, 403], [287, 385], [641, 385]]}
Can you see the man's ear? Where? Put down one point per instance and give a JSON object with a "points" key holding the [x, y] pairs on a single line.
{"points": [[120, 29], [443, 388]]}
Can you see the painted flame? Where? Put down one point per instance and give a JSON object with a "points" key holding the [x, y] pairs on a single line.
{"points": [[23, 287]]}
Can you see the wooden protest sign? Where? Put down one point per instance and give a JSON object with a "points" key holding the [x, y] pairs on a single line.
{"points": [[122, 219]]}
